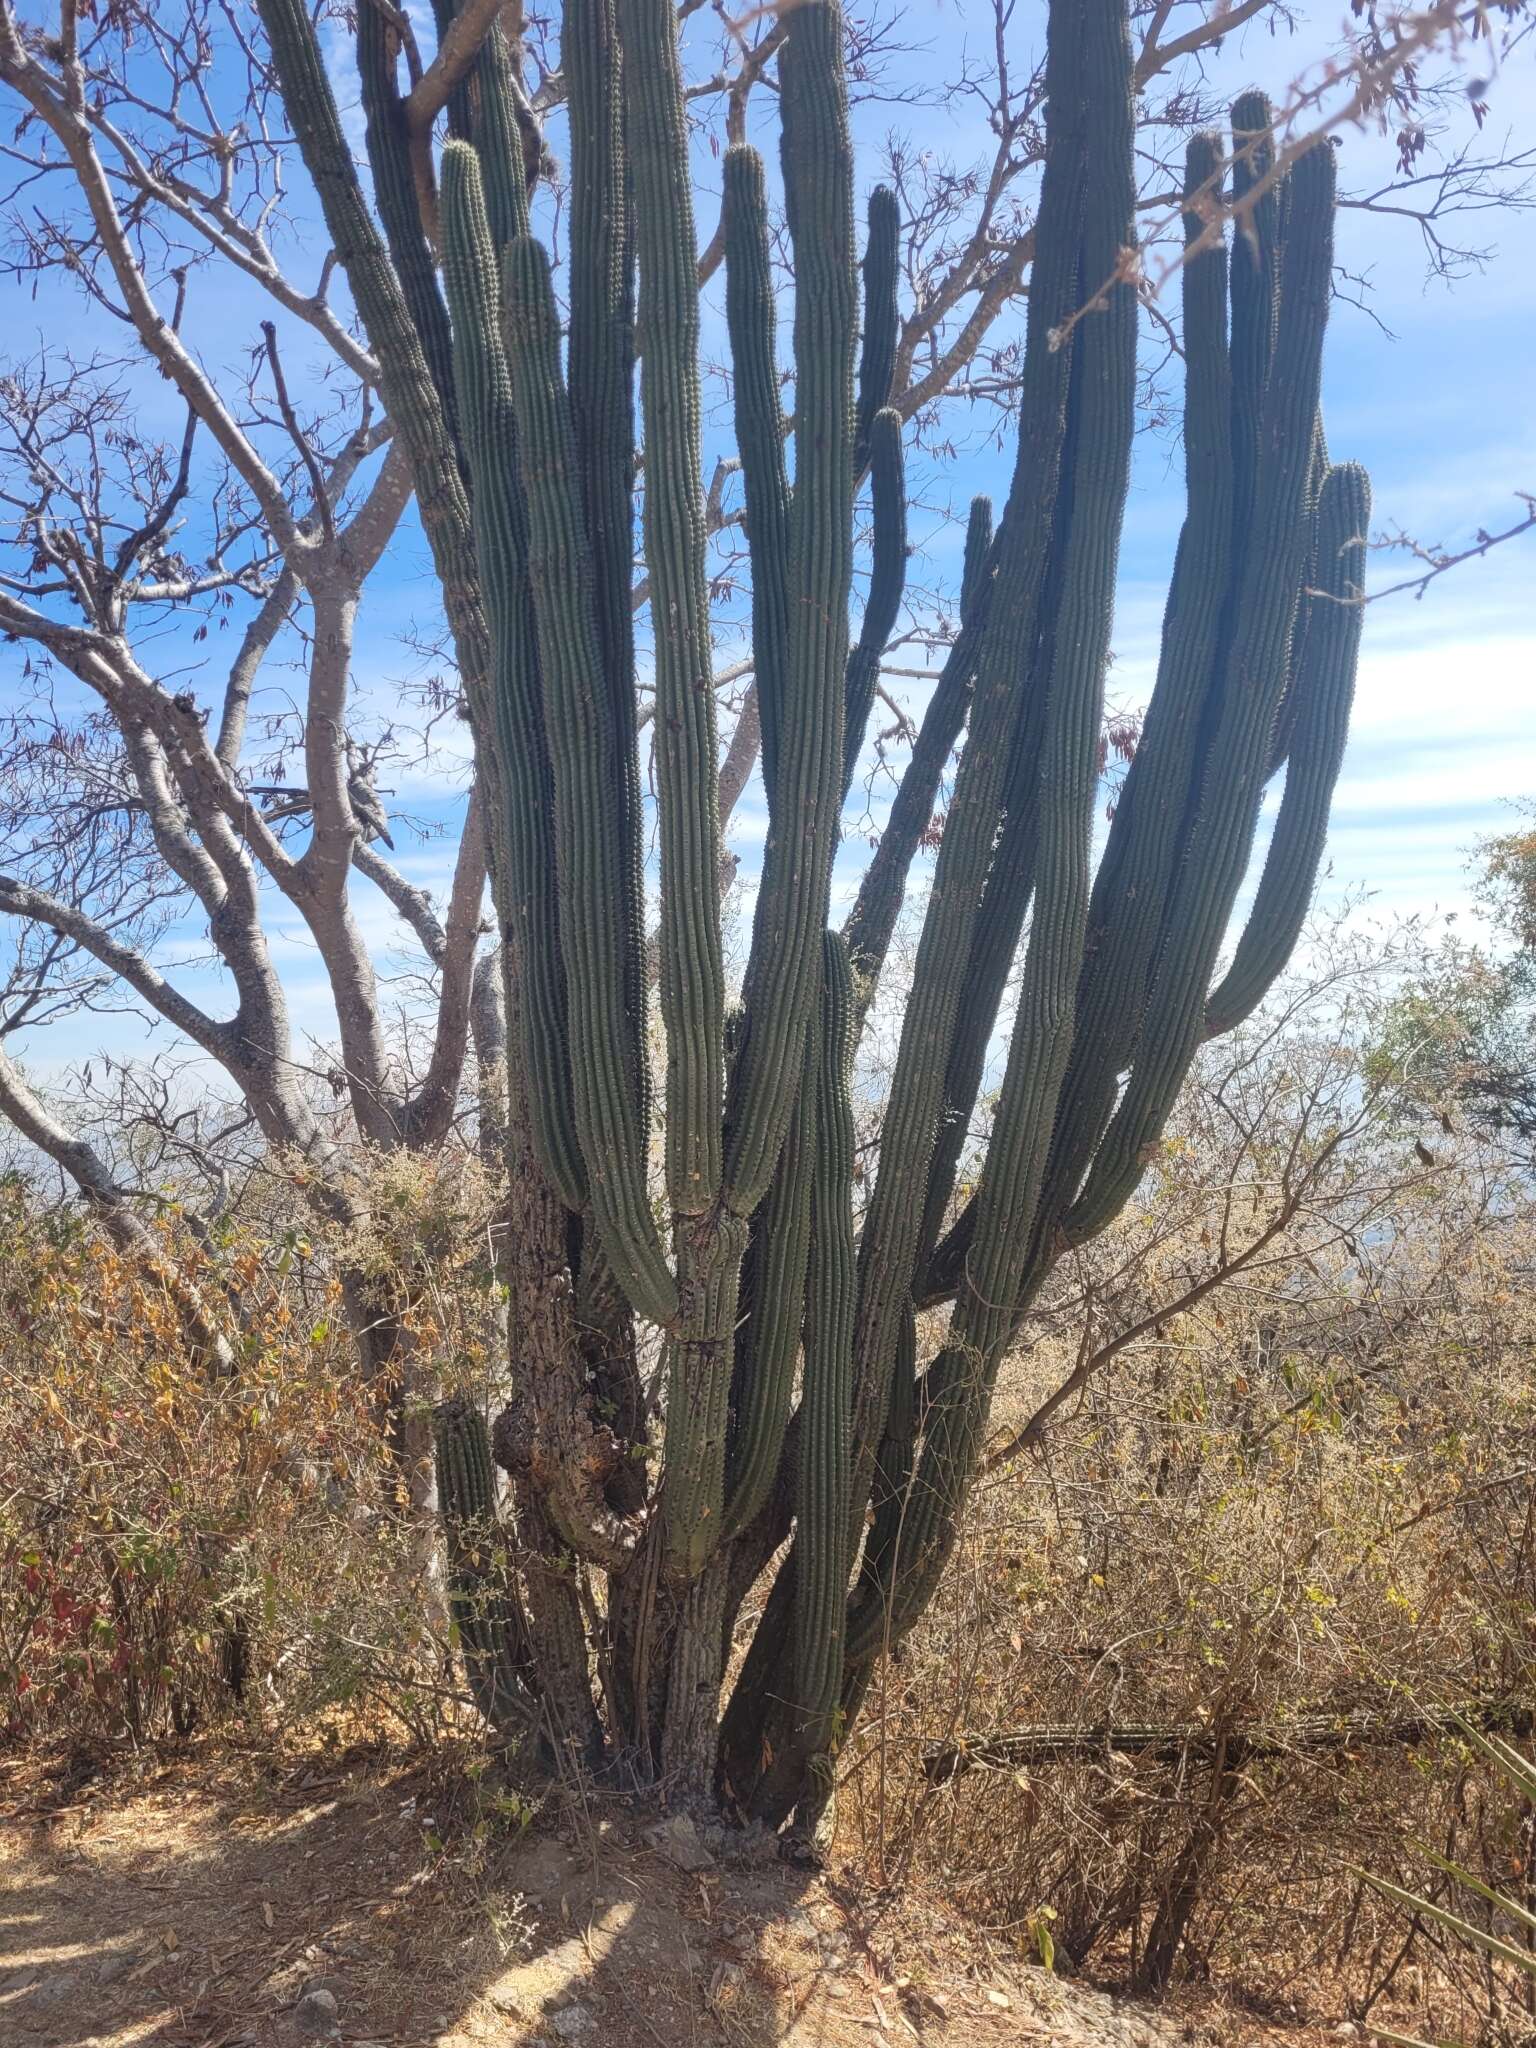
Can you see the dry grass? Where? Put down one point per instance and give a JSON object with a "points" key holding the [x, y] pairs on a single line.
{"points": [[1309, 1501]]}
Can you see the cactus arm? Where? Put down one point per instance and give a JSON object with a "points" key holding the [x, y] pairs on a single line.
{"points": [[709, 1245], [526, 799], [585, 1478], [822, 1497], [600, 370], [1281, 746], [1323, 692], [1256, 265], [771, 1343], [395, 195], [499, 142], [784, 965], [882, 317], [1102, 422], [1145, 838], [872, 920], [869, 1609], [667, 330], [977, 555], [792, 902], [412, 398], [805, 1721], [889, 1245], [782, 1225], [1066, 773], [887, 578], [698, 1371], [590, 852], [749, 305], [1221, 834], [1005, 902]]}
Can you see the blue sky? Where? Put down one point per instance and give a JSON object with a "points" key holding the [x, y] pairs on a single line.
{"points": [[1441, 413]]}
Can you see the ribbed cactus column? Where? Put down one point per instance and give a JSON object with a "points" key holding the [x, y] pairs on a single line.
{"points": [[889, 1246], [784, 967], [600, 373], [1321, 693], [872, 920], [525, 826], [887, 578], [749, 301], [667, 331], [1251, 687], [1101, 415], [1218, 686], [1130, 889], [708, 1246], [768, 1346], [824, 1475], [882, 316], [1258, 661], [414, 402], [593, 856]]}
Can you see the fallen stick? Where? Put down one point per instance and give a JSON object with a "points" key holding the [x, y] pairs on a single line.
{"points": [[1235, 1744]]}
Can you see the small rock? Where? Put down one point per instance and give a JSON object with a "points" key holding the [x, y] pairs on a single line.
{"points": [[801, 1923], [541, 1869], [574, 2023], [54, 1986], [678, 1840], [315, 2014]]}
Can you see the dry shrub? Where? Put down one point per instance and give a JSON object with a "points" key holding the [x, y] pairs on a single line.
{"points": [[179, 1542], [1261, 1541]]}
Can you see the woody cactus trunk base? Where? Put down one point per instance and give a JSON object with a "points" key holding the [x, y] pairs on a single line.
{"points": [[798, 1417]]}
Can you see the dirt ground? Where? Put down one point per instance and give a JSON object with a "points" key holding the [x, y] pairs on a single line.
{"points": [[232, 1903]]}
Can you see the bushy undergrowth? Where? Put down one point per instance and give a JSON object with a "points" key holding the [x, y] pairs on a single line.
{"points": [[182, 1540], [1235, 1586], [1258, 1513]]}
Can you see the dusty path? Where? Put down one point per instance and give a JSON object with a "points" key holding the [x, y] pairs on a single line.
{"points": [[238, 1908]]}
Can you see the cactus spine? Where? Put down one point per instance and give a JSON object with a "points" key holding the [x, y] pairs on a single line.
{"points": [[742, 1253]]}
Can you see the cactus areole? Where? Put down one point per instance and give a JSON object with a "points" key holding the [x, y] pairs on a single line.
{"points": [[799, 1426]]}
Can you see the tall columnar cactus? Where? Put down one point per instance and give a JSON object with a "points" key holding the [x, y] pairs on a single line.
{"points": [[796, 1400]]}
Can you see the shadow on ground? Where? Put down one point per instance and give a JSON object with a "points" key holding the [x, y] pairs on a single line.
{"points": [[231, 1907]]}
